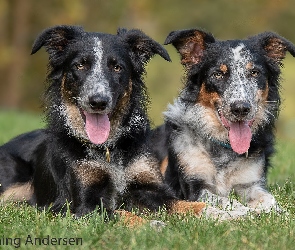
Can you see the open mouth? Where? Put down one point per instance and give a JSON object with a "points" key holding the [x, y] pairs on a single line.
{"points": [[97, 126], [239, 133]]}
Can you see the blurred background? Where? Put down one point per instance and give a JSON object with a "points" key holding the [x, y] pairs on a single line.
{"points": [[22, 75]]}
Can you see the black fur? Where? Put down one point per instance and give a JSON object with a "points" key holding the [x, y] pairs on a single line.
{"points": [[234, 82], [89, 74]]}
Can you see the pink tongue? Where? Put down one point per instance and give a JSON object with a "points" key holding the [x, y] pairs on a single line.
{"points": [[97, 127], [240, 136]]}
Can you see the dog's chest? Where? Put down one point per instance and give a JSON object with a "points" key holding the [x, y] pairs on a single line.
{"points": [[119, 172], [219, 175]]}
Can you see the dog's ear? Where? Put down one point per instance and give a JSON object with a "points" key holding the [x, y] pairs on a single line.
{"points": [[190, 44], [56, 38], [275, 46], [142, 47]]}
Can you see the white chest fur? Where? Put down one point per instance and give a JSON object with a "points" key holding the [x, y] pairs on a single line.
{"points": [[196, 163]]}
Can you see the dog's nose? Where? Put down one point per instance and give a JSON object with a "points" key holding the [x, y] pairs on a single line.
{"points": [[98, 102], [240, 108]]}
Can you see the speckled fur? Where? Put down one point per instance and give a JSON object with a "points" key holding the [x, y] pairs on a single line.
{"points": [[194, 137], [60, 163]]}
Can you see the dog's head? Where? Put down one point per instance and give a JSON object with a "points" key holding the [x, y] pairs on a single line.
{"points": [[92, 75], [232, 86]]}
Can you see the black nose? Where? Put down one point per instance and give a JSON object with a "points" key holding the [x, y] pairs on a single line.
{"points": [[240, 108], [98, 102]]}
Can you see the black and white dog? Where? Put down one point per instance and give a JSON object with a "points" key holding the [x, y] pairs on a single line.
{"points": [[219, 133], [93, 154]]}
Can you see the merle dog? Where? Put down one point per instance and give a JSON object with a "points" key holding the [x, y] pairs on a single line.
{"points": [[93, 153], [219, 133]]}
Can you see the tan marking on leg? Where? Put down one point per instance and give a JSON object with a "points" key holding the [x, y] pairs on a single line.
{"points": [[144, 170], [18, 192], [184, 207], [129, 219], [90, 173]]}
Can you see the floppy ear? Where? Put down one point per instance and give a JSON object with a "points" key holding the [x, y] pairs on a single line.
{"points": [[142, 47], [190, 44], [275, 46], [56, 38]]}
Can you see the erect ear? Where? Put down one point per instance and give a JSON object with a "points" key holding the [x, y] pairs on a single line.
{"points": [[190, 44], [56, 38], [142, 47], [275, 46]]}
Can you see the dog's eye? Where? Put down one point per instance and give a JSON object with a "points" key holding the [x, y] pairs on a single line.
{"points": [[117, 68], [218, 75], [254, 73], [80, 66]]}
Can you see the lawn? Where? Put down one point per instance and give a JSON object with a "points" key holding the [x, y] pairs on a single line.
{"points": [[25, 227]]}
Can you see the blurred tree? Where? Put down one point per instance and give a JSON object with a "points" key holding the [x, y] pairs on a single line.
{"points": [[16, 42], [22, 20]]}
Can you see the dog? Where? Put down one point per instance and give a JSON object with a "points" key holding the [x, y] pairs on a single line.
{"points": [[218, 136], [93, 154]]}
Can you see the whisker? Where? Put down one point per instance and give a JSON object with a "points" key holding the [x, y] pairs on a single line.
{"points": [[270, 113]]}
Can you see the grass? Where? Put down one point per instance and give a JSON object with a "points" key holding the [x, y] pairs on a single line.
{"points": [[13, 123], [18, 222]]}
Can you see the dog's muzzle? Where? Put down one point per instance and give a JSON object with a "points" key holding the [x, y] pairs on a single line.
{"points": [[240, 109], [236, 119], [98, 103], [95, 113]]}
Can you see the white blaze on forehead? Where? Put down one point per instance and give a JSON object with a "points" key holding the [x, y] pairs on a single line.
{"points": [[96, 81], [240, 58], [237, 53], [97, 72], [98, 52], [102, 84], [239, 61]]}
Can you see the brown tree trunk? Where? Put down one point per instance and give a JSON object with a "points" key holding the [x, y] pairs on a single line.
{"points": [[20, 25]]}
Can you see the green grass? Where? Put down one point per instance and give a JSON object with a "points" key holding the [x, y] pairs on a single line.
{"points": [[269, 231], [13, 123]]}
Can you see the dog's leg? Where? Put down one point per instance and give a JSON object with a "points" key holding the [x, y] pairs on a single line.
{"points": [[223, 208], [146, 189], [191, 188], [157, 195], [259, 199], [92, 187]]}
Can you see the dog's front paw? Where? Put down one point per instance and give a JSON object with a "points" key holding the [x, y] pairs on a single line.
{"points": [[216, 213], [265, 203], [184, 207]]}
